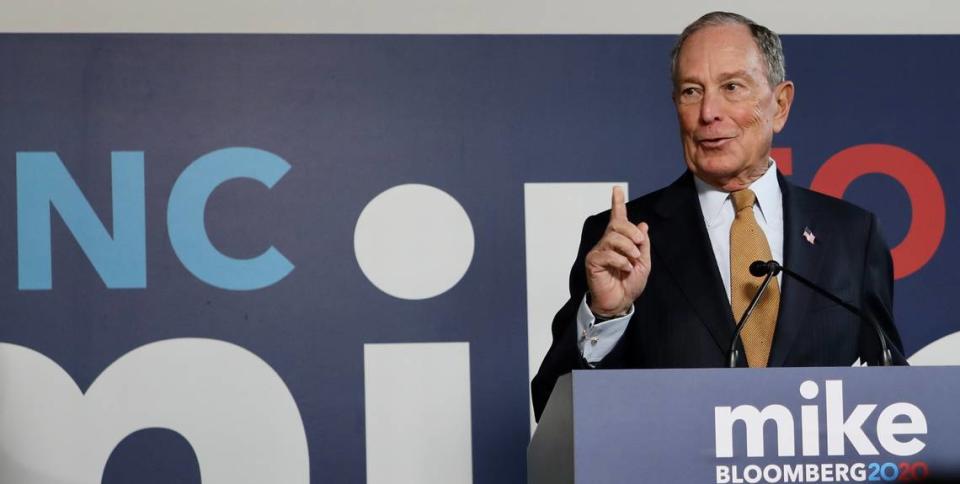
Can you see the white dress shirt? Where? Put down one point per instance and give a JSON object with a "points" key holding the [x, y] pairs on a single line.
{"points": [[596, 340]]}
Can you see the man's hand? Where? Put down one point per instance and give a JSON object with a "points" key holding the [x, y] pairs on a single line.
{"points": [[619, 265]]}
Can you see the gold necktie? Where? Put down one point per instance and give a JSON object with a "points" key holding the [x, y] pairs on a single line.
{"points": [[747, 244]]}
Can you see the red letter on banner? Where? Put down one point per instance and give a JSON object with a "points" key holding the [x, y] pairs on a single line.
{"points": [[784, 159], [928, 209]]}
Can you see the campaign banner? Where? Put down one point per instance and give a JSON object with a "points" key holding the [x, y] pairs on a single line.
{"points": [[334, 258]]}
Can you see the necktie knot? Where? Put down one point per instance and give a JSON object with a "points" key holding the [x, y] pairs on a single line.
{"points": [[743, 199]]}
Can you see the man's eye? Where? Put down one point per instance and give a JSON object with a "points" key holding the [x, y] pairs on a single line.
{"points": [[733, 87], [689, 95]]}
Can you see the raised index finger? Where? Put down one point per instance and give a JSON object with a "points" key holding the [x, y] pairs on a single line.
{"points": [[618, 207]]}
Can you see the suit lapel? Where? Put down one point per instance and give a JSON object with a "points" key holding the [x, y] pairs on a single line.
{"points": [[802, 257], [680, 239]]}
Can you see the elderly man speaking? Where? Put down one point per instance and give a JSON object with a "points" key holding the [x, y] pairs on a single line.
{"points": [[660, 281]]}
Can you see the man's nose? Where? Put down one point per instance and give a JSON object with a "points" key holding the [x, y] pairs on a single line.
{"points": [[711, 107]]}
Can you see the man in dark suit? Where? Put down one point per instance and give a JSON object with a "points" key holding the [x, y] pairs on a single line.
{"points": [[660, 281]]}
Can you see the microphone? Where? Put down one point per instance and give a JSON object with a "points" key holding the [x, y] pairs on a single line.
{"points": [[759, 268]]}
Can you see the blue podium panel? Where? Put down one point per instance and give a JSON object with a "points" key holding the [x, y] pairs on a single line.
{"points": [[767, 425]]}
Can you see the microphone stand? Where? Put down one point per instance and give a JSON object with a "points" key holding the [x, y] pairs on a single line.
{"points": [[734, 353], [886, 355]]}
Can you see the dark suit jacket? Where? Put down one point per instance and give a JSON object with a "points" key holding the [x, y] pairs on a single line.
{"points": [[683, 318]]}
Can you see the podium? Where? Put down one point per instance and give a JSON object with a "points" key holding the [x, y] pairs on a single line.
{"points": [[750, 425]]}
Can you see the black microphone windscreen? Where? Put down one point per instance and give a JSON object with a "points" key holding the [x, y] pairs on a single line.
{"points": [[759, 268]]}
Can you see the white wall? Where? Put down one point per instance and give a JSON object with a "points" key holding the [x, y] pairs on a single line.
{"points": [[471, 16]]}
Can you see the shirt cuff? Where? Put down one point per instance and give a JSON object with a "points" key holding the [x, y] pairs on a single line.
{"points": [[596, 340]]}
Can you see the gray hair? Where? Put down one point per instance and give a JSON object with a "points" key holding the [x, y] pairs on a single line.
{"points": [[767, 41]]}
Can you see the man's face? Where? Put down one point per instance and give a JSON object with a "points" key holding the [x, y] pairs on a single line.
{"points": [[727, 110]]}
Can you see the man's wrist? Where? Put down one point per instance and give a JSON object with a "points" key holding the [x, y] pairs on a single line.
{"points": [[601, 316]]}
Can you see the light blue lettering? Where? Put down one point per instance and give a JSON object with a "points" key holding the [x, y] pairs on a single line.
{"points": [[44, 182], [185, 219]]}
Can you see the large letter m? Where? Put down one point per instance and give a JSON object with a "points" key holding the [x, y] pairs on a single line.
{"points": [[753, 421]]}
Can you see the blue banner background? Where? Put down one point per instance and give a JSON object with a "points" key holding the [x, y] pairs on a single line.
{"points": [[476, 116]]}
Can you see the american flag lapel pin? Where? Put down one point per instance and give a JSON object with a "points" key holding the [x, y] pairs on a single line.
{"points": [[808, 236]]}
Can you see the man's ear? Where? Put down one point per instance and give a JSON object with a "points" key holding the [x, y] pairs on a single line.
{"points": [[783, 95]]}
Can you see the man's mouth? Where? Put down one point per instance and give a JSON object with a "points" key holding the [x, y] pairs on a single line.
{"points": [[713, 143]]}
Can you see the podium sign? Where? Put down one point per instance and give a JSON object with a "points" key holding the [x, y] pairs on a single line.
{"points": [[750, 425]]}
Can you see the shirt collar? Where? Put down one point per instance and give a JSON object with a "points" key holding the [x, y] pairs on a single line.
{"points": [[713, 199]]}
